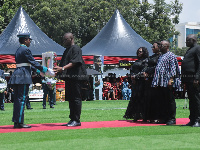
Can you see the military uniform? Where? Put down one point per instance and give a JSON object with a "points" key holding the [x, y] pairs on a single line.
{"points": [[21, 79], [2, 94]]}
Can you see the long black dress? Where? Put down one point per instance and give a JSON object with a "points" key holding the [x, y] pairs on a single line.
{"points": [[135, 109], [151, 111]]}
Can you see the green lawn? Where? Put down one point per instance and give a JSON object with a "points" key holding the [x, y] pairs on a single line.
{"points": [[144, 137]]}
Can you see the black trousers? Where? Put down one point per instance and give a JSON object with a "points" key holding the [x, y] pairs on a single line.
{"points": [[28, 104], [46, 91], [20, 98], [2, 100], [73, 96], [194, 101], [167, 107]]}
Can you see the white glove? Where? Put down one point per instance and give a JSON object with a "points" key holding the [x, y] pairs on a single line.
{"points": [[50, 73]]}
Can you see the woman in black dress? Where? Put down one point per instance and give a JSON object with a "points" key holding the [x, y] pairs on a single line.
{"points": [[151, 94], [135, 109]]}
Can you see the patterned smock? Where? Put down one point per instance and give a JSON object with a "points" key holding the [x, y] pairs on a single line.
{"points": [[166, 68]]}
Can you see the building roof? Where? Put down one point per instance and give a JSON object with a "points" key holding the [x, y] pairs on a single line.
{"points": [[22, 23], [116, 38]]}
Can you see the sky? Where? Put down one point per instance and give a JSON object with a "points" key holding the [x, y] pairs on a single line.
{"points": [[190, 11]]}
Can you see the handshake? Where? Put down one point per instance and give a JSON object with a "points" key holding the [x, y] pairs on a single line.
{"points": [[51, 72]]}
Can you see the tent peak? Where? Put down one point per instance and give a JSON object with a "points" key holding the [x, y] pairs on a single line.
{"points": [[116, 38], [22, 23]]}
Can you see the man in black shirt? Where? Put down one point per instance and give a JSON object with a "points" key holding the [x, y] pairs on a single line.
{"points": [[190, 78], [74, 73]]}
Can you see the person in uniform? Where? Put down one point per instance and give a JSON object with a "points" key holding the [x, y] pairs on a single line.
{"points": [[190, 70], [2, 94], [21, 78], [74, 73], [49, 92]]}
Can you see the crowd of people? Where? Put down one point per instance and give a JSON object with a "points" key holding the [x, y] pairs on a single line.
{"points": [[116, 88], [150, 86], [155, 80]]}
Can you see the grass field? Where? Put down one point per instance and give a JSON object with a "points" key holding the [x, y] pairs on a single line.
{"points": [[140, 137]]}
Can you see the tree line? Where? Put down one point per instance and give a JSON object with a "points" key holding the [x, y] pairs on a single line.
{"points": [[85, 18]]}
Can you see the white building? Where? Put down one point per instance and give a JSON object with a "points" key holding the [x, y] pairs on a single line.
{"points": [[186, 29]]}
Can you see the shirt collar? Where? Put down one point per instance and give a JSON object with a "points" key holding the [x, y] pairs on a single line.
{"points": [[23, 45]]}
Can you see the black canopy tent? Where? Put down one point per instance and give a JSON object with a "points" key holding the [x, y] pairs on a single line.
{"points": [[22, 23], [116, 38]]}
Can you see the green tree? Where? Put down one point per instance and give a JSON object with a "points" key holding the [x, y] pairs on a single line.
{"points": [[85, 18], [161, 19], [7, 11]]}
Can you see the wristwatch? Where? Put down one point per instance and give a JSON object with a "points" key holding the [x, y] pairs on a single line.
{"points": [[63, 69]]}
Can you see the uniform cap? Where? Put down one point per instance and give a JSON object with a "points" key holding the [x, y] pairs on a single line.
{"points": [[25, 35]]}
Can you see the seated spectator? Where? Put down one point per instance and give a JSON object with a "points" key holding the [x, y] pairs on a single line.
{"points": [[115, 90], [108, 91], [118, 92], [105, 90]]}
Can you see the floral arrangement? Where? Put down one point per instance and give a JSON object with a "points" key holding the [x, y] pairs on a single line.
{"points": [[3, 85], [54, 59], [51, 82]]}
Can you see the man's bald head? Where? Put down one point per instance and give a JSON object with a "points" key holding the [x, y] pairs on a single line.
{"points": [[68, 39], [192, 36], [165, 43], [164, 46], [191, 40], [68, 34]]}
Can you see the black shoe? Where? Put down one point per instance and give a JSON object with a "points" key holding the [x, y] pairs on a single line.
{"points": [[67, 123], [74, 124], [135, 120], [51, 107], [44, 107], [196, 124], [144, 120], [29, 108], [2, 109], [189, 124], [21, 125], [161, 122], [171, 122]]}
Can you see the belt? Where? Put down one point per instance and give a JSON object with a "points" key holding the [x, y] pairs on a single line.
{"points": [[23, 65]]}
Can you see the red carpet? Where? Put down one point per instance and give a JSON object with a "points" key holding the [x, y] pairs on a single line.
{"points": [[85, 125]]}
